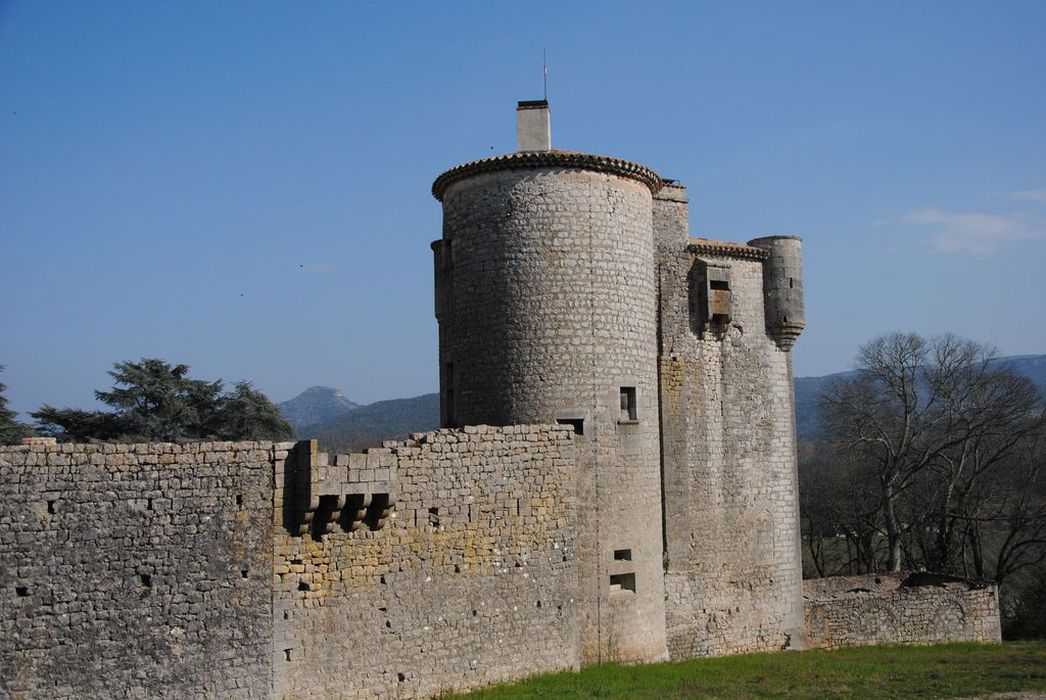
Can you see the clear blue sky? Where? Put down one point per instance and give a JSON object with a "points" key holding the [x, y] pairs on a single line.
{"points": [[244, 187]]}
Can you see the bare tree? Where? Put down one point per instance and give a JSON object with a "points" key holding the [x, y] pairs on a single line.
{"points": [[932, 418]]}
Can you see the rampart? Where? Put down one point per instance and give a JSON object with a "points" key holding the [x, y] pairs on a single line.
{"points": [[136, 570], [446, 561], [919, 608]]}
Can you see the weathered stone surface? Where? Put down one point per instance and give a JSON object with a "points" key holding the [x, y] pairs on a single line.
{"points": [[899, 609], [136, 570], [471, 580]]}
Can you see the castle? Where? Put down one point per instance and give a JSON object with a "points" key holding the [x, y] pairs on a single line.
{"points": [[615, 481]]}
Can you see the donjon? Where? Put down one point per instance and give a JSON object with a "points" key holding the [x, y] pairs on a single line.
{"points": [[569, 289], [615, 480]]}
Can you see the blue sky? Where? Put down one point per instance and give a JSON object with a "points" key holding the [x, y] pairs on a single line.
{"points": [[244, 187]]}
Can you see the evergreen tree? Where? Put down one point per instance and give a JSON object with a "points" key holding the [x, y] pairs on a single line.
{"points": [[11, 431], [155, 401]]}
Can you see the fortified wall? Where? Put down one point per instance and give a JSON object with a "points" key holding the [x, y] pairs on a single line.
{"points": [[446, 561], [636, 499]]}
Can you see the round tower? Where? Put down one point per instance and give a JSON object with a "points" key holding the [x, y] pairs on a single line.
{"points": [[546, 300], [783, 287]]}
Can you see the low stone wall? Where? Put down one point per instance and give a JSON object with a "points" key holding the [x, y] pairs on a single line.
{"points": [[918, 608], [447, 561], [136, 570]]}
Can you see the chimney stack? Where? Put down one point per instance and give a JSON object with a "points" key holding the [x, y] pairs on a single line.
{"points": [[533, 126]]}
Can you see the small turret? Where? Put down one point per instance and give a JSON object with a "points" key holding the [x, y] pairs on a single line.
{"points": [[783, 288]]}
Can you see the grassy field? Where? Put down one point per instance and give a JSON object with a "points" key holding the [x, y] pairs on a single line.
{"points": [[945, 671]]}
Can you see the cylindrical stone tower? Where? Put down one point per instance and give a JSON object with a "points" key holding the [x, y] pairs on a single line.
{"points": [[546, 300], [783, 287]]}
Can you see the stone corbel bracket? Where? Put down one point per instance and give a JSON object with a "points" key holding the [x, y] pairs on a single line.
{"points": [[349, 490]]}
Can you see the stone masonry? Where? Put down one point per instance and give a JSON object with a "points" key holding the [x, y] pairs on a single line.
{"points": [[615, 481], [901, 608]]}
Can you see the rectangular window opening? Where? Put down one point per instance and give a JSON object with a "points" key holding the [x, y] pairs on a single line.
{"points": [[622, 582], [719, 284], [622, 555], [629, 410], [578, 424], [448, 395]]}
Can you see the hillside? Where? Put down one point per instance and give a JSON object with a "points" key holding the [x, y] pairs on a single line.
{"points": [[368, 425], [340, 424], [808, 389]]}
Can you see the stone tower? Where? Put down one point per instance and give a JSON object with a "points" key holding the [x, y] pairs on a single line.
{"points": [[546, 297]]}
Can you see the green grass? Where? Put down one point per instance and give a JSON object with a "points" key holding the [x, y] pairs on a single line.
{"points": [[943, 671]]}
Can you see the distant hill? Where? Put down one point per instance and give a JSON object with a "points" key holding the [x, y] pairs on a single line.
{"points": [[368, 425], [344, 425], [315, 405], [808, 390]]}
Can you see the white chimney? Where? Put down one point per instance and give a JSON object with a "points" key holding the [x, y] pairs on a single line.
{"points": [[533, 126]]}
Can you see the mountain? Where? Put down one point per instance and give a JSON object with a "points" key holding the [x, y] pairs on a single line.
{"points": [[368, 425], [808, 389], [342, 425], [315, 405]]}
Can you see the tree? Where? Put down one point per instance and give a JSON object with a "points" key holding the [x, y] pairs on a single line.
{"points": [[11, 431], [156, 401], [932, 418], [247, 414]]}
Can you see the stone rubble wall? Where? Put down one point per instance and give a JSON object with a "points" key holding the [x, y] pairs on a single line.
{"points": [[844, 611], [471, 579], [136, 570]]}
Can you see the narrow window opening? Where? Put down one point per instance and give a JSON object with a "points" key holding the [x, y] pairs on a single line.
{"points": [[622, 582], [243, 572], [622, 555], [434, 517], [401, 676], [50, 507], [539, 605], [629, 410], [149, 504], [448, 395], [21, 591], [578, 424], [286, 615], [791, 283], [287, 654], [239, 499], [147, 580], [303, 586]]}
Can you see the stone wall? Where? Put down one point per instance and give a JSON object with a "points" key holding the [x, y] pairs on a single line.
{"points": [[899, 609], [733, 571], [547, 311], [136, 570], [470, 579]]}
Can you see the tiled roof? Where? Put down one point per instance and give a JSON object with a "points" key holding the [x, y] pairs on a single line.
{"points": [[555, 158], [709, 246]]}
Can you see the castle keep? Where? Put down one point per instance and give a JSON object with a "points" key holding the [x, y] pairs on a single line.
{"points": [[569, 290], [615, 480]]}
